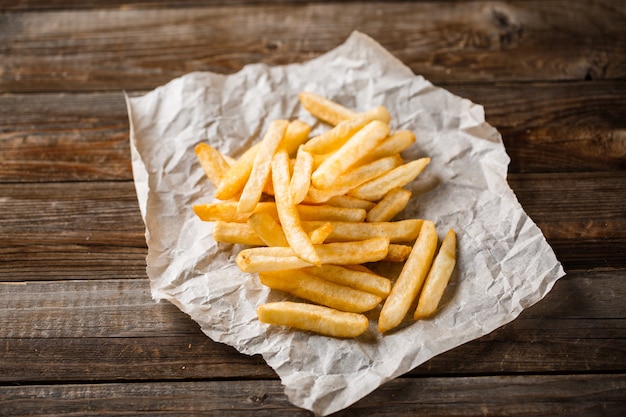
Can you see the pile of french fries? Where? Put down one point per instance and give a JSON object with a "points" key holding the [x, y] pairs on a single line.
{"points": [[315, 212]]}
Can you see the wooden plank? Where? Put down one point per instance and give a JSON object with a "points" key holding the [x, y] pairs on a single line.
{"points": [[545, 127], [446, 42], [554, 395], [53, 330], [64, 137]]}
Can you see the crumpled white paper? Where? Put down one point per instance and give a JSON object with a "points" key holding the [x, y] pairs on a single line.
{"points": [[504, 263]]}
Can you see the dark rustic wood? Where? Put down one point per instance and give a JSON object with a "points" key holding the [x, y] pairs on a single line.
{"points": [[552, 127], [588, 395], [446, 42], [138, 339], [79, 331]]}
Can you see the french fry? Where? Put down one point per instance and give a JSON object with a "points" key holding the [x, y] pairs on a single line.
{"points": [[359, 145], [318, 319], [237, 175], [267, 229], [320, 234], [325, 109], [301, 177], [236, 233], [212, 162], [397, 232], [297, 133], [264, 259], [333, 139], [350, 202], [397, 253], [309, 287], [438, 277], [363, 280], [260, 172], [375, 189], [287, 212], [354, 178], [395, 143], [391, 204], [411, 278]]}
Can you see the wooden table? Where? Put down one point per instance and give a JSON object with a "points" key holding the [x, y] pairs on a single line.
{"points": [[79, 331]]}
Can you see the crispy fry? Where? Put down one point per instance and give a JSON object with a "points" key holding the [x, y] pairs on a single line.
{"points": [[309, 287], [267, 229], [397, 232], [317, 319], [333, 139], [237, 175], [350, 202], [301, 177], [241, 233], [212, 162], [287, 212], [375, 189], [391, 204], [297, 133], [359, 145], [325, 109], [320, 234], [353, 178], [260, 172], [437, 278], [362, 280], [265, 259], [397, 253], [411, 279], [393, 145]]}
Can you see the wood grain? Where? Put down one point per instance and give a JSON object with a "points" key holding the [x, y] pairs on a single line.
{"points": [[546, 127], [576, 328], [554, 395], [462, 41]]}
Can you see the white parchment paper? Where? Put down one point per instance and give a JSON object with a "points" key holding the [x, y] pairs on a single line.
{"points": [[504, 263]]}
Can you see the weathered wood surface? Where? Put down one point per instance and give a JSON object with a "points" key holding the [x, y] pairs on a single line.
{"points": [[79, 50], [79, 331]]}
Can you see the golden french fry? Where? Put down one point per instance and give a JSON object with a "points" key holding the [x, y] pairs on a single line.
{"points": [[437, 278], [212, 162], [237, 175], [318, 319], [356, 176], [241, 233], [333, 139], [410, 280], [264, 259], [397, 232], [359, 145], [375, 189], [325, 109], [397, 253], [363, 280], [297, 133], [267, 229], [227, 211], [287, 212], [391, 204], [320, 234], [301, 177], [260, 172], [392, 145], [330, 213], [309, 287], [350, 202]]}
